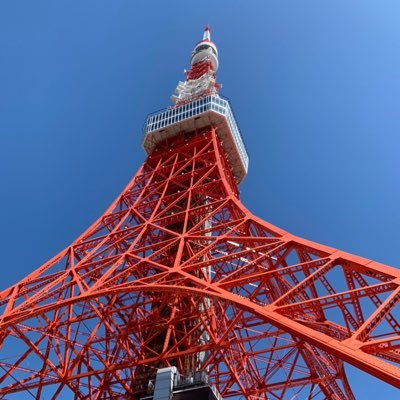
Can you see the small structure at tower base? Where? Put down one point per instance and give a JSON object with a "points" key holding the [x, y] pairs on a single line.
{"points": [[168, 385]]}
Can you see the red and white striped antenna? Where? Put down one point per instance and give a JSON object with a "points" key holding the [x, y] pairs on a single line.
{"points": [[201, 76]]}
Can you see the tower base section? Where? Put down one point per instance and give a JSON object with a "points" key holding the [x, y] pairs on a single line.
{"points": [[195, 393], [168, 386]]}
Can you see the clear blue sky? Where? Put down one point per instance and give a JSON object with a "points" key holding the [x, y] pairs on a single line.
{"points": [[315, 86]]}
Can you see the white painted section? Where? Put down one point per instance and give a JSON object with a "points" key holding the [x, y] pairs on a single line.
{"points": [[166, 378], [207, 34]]}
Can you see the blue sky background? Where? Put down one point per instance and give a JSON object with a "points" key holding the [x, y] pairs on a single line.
{"points": [[315, 86]]}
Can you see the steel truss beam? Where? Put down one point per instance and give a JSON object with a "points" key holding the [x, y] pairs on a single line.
{"points": [[177, 267]]}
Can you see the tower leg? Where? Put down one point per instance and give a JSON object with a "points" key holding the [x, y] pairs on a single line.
{"points": [[178, 267]]}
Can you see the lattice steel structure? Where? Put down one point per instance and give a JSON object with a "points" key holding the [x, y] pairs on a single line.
{"points": [[177, 272]]}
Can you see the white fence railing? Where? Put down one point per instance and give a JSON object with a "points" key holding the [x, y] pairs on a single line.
{"points": [[170, 116]]}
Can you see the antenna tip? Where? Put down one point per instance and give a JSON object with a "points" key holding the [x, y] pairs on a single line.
{"points": [[207, 33]]}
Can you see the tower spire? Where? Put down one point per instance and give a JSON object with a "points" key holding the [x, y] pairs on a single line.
{"points": [[207, 33], [201, 76]]}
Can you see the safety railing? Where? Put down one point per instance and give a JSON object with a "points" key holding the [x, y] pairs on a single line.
{"points": [[170, 116]]}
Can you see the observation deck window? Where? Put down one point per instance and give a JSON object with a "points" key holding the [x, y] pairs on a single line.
{"points": [[171, 116]]}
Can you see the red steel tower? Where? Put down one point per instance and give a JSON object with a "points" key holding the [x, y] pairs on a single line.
{"points": [[177, 277]]}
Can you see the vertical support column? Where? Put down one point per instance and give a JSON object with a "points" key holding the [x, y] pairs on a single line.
{"points": [[166, 379]]}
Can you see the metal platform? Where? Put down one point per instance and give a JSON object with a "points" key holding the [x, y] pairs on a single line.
{"points": [[210, 110]]}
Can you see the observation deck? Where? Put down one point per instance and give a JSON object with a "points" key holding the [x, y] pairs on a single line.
{"points": [[210, 110]]}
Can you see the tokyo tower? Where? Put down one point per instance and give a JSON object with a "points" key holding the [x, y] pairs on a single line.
{"points": [[178, 292]]}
